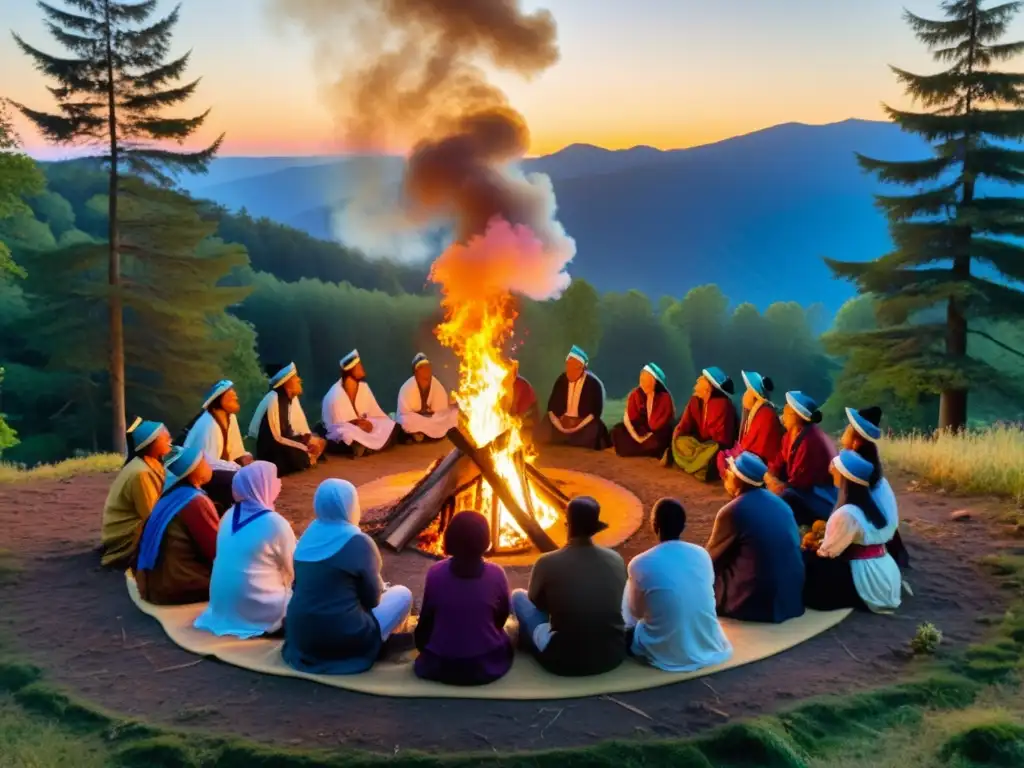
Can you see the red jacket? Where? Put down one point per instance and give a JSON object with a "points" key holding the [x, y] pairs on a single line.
{"points": [[714, 421]]}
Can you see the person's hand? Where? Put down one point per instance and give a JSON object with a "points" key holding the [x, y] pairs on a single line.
{"points": [[569, 422], [365, 425], [245, 460]]}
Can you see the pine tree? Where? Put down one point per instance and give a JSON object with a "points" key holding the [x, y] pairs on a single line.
{"points": [[114, 90], [950, 225]]}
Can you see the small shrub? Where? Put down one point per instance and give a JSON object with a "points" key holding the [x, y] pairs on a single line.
{"points": [[926, 640]]}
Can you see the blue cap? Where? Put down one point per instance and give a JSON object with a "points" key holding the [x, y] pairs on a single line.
{"points": [[719, 379], [749, 468], [350, 361], [655, 370], [181, 463], [854, 467], [865, 422], [216, 391], [578, 354], [805, 405], [419, 360], [279, 378], [758, 384], [144, 432]]}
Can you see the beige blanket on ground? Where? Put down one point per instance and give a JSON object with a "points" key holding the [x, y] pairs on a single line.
{"points": [[526, 680]]}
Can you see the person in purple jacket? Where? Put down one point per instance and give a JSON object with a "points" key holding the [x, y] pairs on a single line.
{"points": [[460, 635]]}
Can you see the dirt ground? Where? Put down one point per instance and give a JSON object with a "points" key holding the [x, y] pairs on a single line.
{"points": [[75, 620]]}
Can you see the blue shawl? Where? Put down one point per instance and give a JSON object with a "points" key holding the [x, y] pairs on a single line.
{"points": [[170, 504]]}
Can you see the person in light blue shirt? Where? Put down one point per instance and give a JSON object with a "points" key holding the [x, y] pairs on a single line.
{"points": [[669, 601]]}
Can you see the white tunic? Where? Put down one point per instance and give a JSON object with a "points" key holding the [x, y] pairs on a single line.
{"points": [[878, 581], [296, 416], [252, 577], [339, 411], [444, 417], [206, 435]]}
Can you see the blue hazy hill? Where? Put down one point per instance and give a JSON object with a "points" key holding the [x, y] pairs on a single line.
{"points": [[754, 213]]}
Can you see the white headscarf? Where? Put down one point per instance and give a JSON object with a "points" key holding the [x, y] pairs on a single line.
{"points": [[255, 487], [336, 505]]}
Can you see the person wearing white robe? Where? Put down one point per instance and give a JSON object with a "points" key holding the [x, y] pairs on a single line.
{"points": [[215, 432], [425, 417], [253, 570], [280, 427], [851, 568], [353, 421]]}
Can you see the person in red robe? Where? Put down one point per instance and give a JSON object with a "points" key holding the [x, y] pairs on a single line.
{"points": [[802, 472], [521, 401], [760, 429], [708, 426], [646, 427]]}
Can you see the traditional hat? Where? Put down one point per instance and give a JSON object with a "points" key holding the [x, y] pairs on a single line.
{"points": [[419, 360], [578, 354], [854, 467], [216, 391], [287, 372], [804, 405], [749, 468], [719, 379], [760, 385], [655, 370], [866, 421], [144, 432], [181, 464], [350, 361], [584, 516]]}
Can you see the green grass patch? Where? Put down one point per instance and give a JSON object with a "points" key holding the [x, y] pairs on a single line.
{"points": [[996, 743], [85, 465]]}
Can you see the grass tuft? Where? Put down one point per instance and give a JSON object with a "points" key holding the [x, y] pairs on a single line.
{"points": [[158, 752], [750, 745], [43, 700], [987, 461], [997, 743], [15, 675], [84, 465]]}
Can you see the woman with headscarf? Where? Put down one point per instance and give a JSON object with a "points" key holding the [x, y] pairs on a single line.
{"points": [[708, 426], [760, 429], [862, 435], [134, 492], [646, 426], [851, 568], [341, 611], [253, 571], [460, 634], [174, 561]]}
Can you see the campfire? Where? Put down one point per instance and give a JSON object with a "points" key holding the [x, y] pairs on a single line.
{"points": [[490, 469]]}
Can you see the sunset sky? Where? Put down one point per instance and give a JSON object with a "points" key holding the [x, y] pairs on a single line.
{"points": [[668, 73]]}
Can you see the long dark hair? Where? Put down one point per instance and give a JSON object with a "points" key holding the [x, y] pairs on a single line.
{"points": [[860, 496], [869, 450]]}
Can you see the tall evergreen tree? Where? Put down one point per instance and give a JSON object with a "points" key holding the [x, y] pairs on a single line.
{"points": [[115, 89], [949, 225]]}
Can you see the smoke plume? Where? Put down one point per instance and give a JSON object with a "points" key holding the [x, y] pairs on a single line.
{"points": [[407, 73]]}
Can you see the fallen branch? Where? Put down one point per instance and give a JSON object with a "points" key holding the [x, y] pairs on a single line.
{"points": [[181, 666], [711, 688], [630, 707], [848, 651], [558, 714]]}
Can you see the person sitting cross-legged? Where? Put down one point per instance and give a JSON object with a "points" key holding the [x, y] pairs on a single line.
{"points": [[571, 617], [425, 411], [669, 602], [760, 429], [353, 421], [707, 427], [575, 407], [460, 634], [646, 426], [755, 548], [280, 427], [341, 611]]}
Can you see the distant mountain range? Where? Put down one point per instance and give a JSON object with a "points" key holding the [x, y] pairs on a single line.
{"points": [[754, 214]]}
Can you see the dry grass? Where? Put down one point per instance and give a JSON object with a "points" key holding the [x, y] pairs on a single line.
{"points": [[85, 465], [988, 461]]}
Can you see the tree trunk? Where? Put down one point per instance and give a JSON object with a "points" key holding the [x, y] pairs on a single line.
{"points": [[953, 403], [114, 304]]}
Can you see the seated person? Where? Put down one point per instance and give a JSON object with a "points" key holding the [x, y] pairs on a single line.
{"points": [[280, 427], [575, 407], [669, 603], [800, 473], [253, 571], [424, 408], [521, 401], [215, 431], [862, 436], [571, 618], [135, 491], [646, 426], [174, 561], [707, 427], [755, 548], [355, 424], [760, 429], [461, 630], [341, 611], [851, 567]]}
